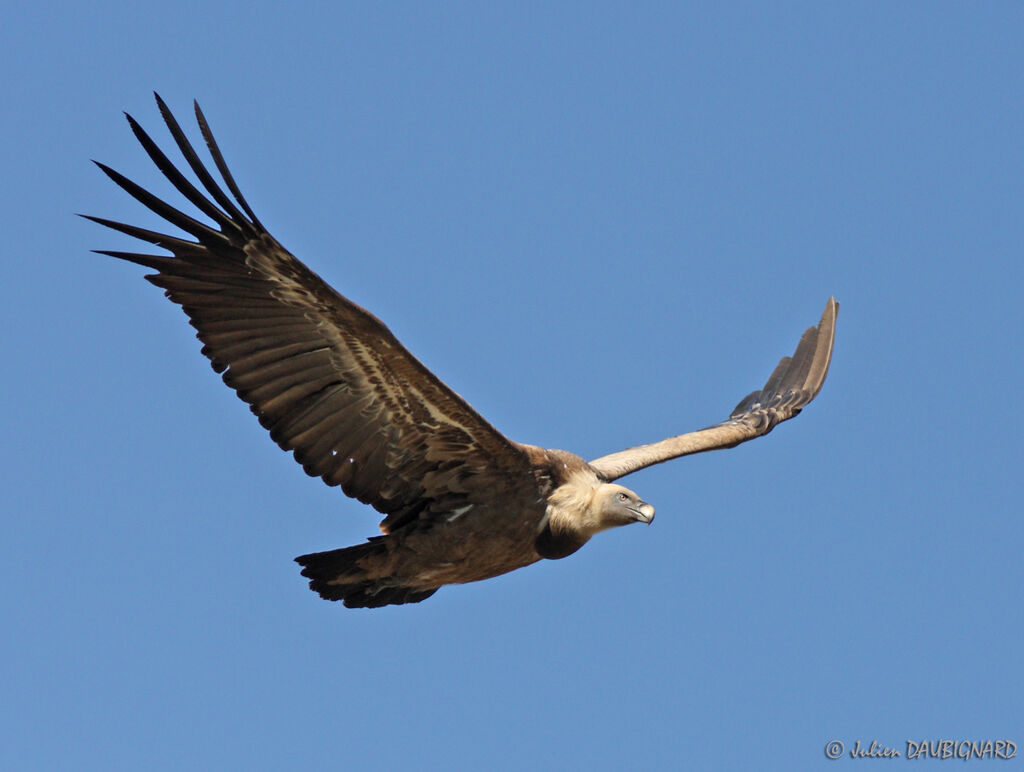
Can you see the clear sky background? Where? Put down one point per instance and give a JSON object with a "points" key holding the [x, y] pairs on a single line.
{"points": [[602, 223]]}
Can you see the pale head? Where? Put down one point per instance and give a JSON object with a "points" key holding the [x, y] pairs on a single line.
{"points": [[614, 505], [582, 507]]}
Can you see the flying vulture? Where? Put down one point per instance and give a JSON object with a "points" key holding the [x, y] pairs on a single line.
{"points": [[328, 380]]}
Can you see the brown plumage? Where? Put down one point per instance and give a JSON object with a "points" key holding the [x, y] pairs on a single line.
{"points": [[331, 383]]}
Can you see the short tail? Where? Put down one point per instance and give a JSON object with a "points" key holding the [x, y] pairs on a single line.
{"points": [[343, 575]]}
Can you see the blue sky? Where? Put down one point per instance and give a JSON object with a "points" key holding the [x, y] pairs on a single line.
{"points": [[602, 224]]}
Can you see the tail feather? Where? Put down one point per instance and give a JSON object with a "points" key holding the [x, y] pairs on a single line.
{"points": [[343, 575]]}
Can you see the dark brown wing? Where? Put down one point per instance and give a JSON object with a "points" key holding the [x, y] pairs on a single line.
{"points": [[794, 383], [325, 376]]}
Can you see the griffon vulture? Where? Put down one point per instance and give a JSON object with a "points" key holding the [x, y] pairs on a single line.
{"points": [[329, 381]]}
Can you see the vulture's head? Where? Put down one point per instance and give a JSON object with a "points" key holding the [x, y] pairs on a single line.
{"points": [[578, 510], [615, 505]]}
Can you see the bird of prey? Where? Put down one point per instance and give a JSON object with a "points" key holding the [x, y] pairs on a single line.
{"points": [[328, 380]]}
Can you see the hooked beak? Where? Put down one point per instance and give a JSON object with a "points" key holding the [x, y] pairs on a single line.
{"points": [[644, 512]]}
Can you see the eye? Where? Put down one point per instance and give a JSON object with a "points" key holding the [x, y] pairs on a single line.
{"points": [[623, 497]]}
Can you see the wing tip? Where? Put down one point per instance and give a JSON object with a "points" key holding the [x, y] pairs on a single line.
{"points": [[829, 315], [825, 346]]}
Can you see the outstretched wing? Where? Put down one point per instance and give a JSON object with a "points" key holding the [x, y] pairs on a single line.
{"points": [[794, 383], [324, 376]]}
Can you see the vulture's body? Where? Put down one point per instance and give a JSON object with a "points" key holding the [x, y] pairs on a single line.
{"points": [[331, 383]]}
